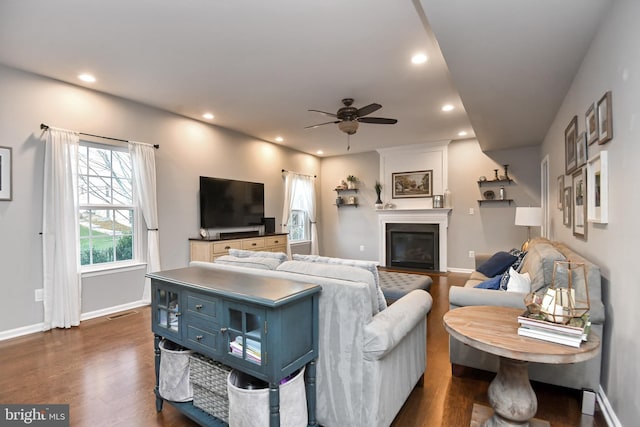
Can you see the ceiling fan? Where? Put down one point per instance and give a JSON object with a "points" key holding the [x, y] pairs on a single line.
{"points": [[349, 117]]}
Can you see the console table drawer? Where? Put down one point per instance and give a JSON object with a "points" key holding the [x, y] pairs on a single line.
{"points": [[223, 247], [253, 244], [275, 241], [202, 306], [199, 338]]}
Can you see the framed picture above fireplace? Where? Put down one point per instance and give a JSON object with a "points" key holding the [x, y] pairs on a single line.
{"points": [[412, 184]]}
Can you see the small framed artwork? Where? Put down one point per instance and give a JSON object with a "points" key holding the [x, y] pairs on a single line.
{"points": [[570, 136], [412, 184], [581, 149], [598, 189], [591, 125], [6, 183], [579, 205], [560, 192], [605, 119], [566, 209]]}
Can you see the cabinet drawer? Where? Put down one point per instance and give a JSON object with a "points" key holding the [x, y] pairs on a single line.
{"points": [[275, 241], [223, 247], [203, 306], [203, 338], [253, 244]]}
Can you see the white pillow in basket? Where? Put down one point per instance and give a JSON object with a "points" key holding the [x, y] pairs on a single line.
{"points": [[518, 282]]}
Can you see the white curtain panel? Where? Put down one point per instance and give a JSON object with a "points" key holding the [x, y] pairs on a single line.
{"points": [[60, 231], [144, 177], [286, 209]]}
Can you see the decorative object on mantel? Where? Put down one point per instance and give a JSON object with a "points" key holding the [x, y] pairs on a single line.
{"points": [[528, 217], [389, 205], [412, 184], [378, 188], [351, 182], [437, 201]]}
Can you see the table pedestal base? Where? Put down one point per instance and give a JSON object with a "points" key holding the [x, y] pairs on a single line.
{"points": [[483, 413]]}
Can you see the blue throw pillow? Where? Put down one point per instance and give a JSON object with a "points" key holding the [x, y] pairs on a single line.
{"points": [[497, 264], [493, 283]]}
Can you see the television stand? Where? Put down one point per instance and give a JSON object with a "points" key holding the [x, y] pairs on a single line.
{"points": [[239, 234], [210, 249]]}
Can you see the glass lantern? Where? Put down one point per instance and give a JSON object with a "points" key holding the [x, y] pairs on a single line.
{"points": [[568, 296]]}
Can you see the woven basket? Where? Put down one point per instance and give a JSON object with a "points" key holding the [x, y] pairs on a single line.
{"points": [[209, 381]]}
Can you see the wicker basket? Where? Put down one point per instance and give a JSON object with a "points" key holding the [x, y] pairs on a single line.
{"points": [[209, 381]]}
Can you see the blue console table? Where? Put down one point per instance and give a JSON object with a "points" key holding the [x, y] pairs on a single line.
{"points": [[220, 314]]}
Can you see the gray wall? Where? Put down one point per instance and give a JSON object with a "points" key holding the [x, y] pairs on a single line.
{"points": [[188, 149], [612, 63]]}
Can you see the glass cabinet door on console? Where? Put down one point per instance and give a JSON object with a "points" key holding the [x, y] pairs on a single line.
{"points": [[244, 336], [167, 319]]}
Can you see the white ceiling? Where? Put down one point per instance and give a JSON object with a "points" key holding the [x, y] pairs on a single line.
{"points": [[260, 65]]}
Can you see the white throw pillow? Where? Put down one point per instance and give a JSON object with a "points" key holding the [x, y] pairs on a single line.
{"points": [[518, 282]]}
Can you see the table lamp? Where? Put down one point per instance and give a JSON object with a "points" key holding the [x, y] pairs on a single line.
{"points": [[528, 217]]}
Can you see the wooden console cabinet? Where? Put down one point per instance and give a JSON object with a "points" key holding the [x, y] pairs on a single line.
{"points": [[208, 250], [221, 313]]}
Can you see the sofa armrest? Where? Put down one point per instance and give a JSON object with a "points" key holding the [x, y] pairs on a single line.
{"points": [[462, 296], [392, 324], [482, 258]]}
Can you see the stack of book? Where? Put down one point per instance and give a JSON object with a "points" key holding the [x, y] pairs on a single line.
{"points": [[571, 335], [252, 352]]}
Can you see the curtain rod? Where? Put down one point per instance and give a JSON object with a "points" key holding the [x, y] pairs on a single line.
{"points": [[312, 176], [46, 127]]}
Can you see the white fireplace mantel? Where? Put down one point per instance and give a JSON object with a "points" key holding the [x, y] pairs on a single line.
{"points": [[414, 216]]}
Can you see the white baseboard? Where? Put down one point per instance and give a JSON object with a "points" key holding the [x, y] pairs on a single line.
{"points": [[460, 270], [607, 411], [26, 330]]}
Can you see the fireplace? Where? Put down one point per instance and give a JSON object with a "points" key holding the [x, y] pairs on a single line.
{"points": [[412, 233], [412, 246]]}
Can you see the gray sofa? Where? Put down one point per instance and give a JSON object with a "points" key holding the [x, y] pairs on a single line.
{"points": [[369, 360], [539, 263]]}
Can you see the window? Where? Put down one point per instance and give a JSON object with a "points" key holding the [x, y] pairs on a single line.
{"points": [[107, 212], [298, 226]]}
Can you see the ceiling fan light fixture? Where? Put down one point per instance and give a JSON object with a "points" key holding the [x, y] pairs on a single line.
{"points": [[419, 58], [348, 126]]}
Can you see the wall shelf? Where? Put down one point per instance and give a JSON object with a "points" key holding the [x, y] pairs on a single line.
{"points": [[345, 190], [496, 182], [347, 204], [495, 201]]}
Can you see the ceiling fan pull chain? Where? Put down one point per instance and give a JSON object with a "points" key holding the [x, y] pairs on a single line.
{"points": [[348, 142]]}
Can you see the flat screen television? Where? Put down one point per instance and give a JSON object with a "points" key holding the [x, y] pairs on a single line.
{"points": [[230, 203]]}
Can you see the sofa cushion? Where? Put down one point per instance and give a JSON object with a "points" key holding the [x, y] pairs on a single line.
{"points": [[518, 282], [493, 283], [497, 264], [250, 262], [541, 255], [367, 265], [335, 271], [242, 253]]}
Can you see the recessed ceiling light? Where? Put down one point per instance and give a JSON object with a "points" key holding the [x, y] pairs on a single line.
{"points": [[88, 78], [419, 58], [208, 116], [320, 152], [462, 133], [279, 139], [447, 107]]}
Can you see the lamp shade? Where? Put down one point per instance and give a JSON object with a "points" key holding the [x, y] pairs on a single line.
{"points": [[531, 217]]}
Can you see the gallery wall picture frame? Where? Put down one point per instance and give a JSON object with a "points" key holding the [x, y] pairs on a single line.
{"points": [[566, 210], [406, 185], [570, 136], [581, 149], [579, 205], [560, 200], [591, 124], [605, 119], [6, 174], [598, 189]]}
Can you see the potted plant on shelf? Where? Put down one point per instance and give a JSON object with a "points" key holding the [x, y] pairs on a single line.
{"points": [[351, 182], [378, 188]]}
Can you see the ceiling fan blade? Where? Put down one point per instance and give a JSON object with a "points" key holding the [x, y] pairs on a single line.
{"points": [[320, 124], [378, 120], [368, 109], [324, 112]]}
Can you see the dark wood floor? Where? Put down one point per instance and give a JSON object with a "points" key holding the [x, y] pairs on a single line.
{"points": [[104, 370]]}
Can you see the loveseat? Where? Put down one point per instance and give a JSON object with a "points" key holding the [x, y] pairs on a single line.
{"points": [[538, 263], [370, 357]]}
